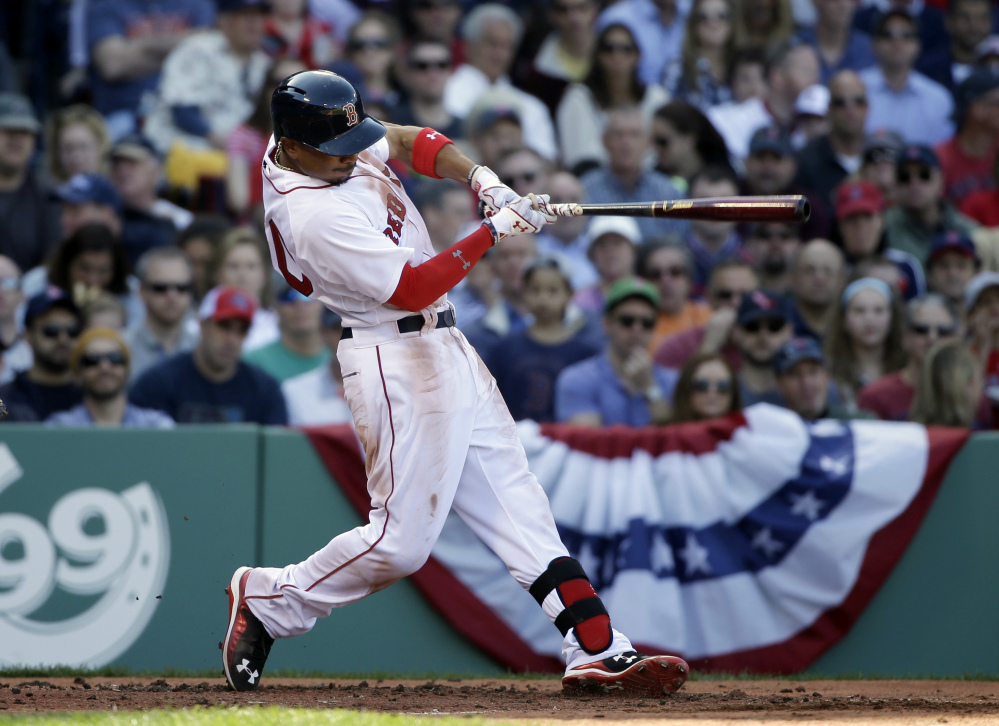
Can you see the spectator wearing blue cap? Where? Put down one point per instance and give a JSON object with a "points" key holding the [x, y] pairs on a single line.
{"points": [[968, 158], [315, 398], [52, 325], [762, 326], [900, 97], [805, 384], [210, 80], [128, 42], [952, 262], [299, 348], [921, 212], [89, 199], [29, 220]]}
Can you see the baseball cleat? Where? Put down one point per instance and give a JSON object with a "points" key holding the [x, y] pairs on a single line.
{"points": [[247, 644], [628, 674]]}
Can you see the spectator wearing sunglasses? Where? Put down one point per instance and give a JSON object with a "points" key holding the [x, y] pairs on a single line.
{"points": [[763, 325], [100, 362], [15, 353], [423, 75], [168, 326], [928, 319], [926, 21], [921, 213], [771, 247], [805, 385], [952, 262], [900, 97], [706, 389], [622, 384], [667, 265], [658, 28], [52, 325]]}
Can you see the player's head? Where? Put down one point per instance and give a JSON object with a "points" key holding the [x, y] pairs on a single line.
{"points": [[320, 120]]}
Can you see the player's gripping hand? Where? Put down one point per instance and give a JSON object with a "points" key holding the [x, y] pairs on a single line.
{"points": [[493, 194], [524, 216]]}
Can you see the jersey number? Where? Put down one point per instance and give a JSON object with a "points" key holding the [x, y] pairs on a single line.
{"points": [[304, 285], [396, 216]]}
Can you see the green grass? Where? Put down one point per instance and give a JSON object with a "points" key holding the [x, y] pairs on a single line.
{"points": [[237, 716]]}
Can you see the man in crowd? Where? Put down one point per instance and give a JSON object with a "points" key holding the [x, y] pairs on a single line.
{"points": [[99, 362], [167, 291], [29, 220], [817, 276], [771, 247], [968, 160], [730, 281], [148, 220], [446, 207], [210, 80], [711, 242], [838, 45], [211, 384], [299, 348], [626, 178], [900, 97], [921, 213], [568, 238], [613, 249], [52, 325], [826, 161], [667, 265], [492, 34], [315, 398], [423, 74], [968, 23], [15, 353], [621, 385], [762, 326], [805, 384], [882, 150], [952, 262], [128, 43], [564, 55]]}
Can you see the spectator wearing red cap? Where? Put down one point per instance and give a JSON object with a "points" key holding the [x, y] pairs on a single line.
{"points": [[921, 213], [860, 208], [211, 384], [967, 159], [953, 261]]}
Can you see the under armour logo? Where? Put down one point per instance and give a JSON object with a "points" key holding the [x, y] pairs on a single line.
{"points": [[245, 666], [465, 264], [432, 135], [625, 658], [520, 227]]}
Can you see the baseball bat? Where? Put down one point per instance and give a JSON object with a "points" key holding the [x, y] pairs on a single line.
{"points": [[793, 208]]}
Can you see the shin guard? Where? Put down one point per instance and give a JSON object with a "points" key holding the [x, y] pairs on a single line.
{"points": [[584, 612]]}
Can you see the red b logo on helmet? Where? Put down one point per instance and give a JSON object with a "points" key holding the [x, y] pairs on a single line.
{"points": [[351, 113]]}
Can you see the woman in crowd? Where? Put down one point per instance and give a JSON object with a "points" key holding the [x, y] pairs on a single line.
{"points": [[928, 319], [242, 259], [705, 389], [699, 75], [371, 51], [865, 339], [291, 32], [764, 24], [77, 141], [527, 363], [685, 142], [949, 391], [612, 83], [246, 145]]}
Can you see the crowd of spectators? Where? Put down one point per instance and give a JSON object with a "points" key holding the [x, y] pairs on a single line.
{"points": [[136, 286]]}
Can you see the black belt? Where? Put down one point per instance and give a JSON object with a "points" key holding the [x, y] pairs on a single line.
{"points": [[414, 323]]}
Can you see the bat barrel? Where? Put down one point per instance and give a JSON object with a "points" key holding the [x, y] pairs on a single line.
{"points": [[794, 208]]}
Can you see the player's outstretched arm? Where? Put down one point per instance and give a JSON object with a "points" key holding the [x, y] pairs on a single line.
{"points": [[449, 162]]}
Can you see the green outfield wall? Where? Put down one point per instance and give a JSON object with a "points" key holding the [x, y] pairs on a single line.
{"points": [[115, 548]]}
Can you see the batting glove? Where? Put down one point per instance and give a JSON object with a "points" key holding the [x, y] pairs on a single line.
{"points": [[524, 216], [493, 194]]}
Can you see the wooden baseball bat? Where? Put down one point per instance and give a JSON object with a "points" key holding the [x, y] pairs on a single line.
{"points": [[716, 209]]}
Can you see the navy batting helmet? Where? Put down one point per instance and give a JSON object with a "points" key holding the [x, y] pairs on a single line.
{"points": [[323, 110]]}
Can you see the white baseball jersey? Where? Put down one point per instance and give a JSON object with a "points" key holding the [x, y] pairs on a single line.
{"points": [[378, 229]]}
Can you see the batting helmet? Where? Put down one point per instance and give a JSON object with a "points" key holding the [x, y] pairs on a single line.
{"points": [[323, 110]]}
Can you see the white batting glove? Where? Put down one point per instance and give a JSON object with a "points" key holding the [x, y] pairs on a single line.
{"points": [[493, 193], [521, 217]]}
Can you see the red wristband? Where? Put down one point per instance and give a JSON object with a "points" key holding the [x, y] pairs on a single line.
{"points": [[426, 147]]}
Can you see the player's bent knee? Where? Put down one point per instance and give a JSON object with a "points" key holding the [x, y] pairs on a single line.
{"points": [[584, 612]]}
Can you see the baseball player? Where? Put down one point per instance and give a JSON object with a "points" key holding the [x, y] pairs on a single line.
{"points": [[435, 431]]}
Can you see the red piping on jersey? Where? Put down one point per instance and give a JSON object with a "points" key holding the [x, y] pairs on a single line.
{"points": [[420, 286], [388, 402], [324, 186]]}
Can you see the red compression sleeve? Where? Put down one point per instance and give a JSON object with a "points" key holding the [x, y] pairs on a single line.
{"points": [[419, 286], [426, 147]]}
